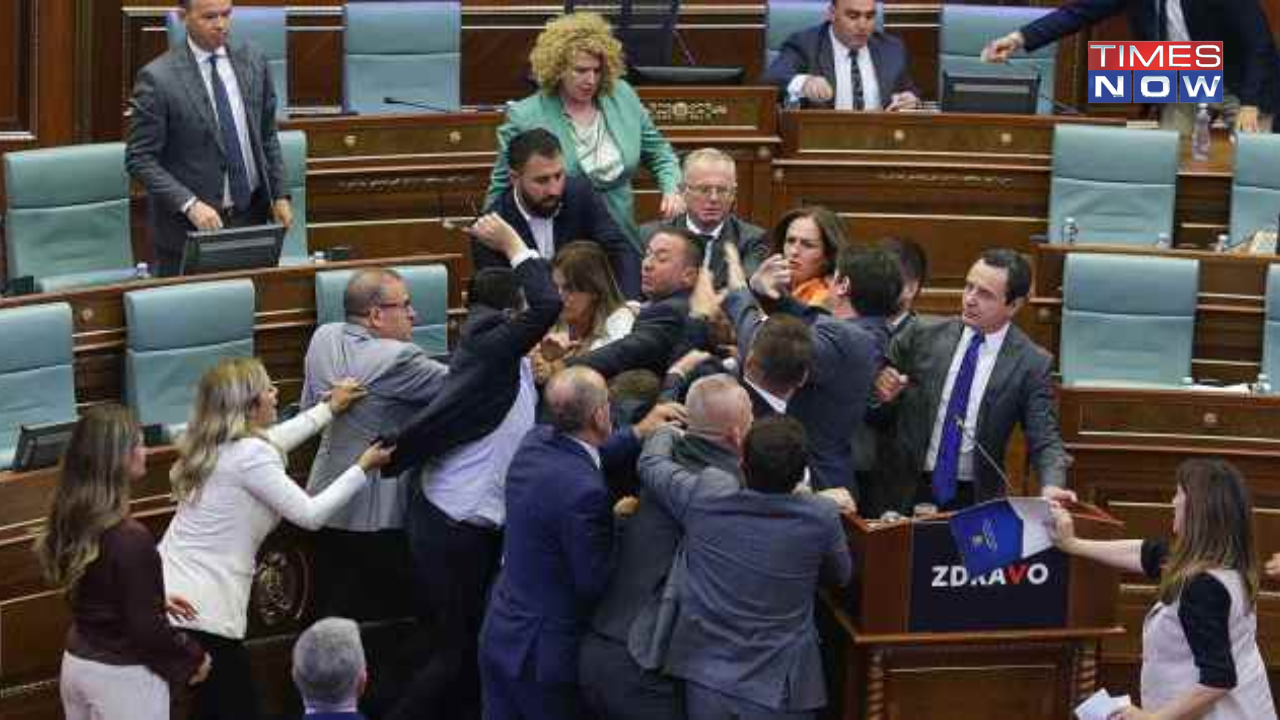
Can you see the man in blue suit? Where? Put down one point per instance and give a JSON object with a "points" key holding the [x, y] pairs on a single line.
{"points": [[558, 549], [329, 670], [844, 64]]}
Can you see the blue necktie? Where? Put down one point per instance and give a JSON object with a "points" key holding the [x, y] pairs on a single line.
{"points": [[948, 463], [237, 173]]}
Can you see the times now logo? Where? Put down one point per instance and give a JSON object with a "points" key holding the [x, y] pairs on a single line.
{"points": [[1155, 72]]}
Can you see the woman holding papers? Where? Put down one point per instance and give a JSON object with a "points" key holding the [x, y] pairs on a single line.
{"points": [[1199, 647]]}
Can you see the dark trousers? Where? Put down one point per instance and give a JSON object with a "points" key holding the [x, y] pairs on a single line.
{"points": [[614, 687], [229, 692], [359, 575], [524, 698], [453, 565], [169, 257]]}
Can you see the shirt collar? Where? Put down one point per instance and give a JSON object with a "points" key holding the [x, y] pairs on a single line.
{"points": [[714, 232], [530, 217], [591, 450], [202, 55], [778, 404], [991, 342], [843, 50]]}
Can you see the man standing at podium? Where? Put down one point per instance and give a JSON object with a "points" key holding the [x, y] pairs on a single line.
{"points": [[203, 136], [954, 389], [844, 64]]}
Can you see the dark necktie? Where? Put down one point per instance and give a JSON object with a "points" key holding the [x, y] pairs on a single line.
{"points": [[947, 466], [237, 173], [708, 248], [855, 77]]}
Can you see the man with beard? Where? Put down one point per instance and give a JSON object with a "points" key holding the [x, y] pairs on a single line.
{"points": [[549, 210]]}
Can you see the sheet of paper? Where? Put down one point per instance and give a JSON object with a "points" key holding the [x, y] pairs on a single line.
{"points": [[1100, 705]]}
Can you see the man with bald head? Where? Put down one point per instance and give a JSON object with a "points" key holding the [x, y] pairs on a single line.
{"points": [[557, 551]]}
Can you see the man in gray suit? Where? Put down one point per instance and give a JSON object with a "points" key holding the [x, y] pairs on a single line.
{"points": [[203, 136], [363, 544], [744, 638], [955, 384]]}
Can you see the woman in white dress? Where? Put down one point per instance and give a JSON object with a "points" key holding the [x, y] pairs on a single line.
{"points": [[594, 312]]}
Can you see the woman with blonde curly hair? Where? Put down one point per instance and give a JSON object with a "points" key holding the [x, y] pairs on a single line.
{"points": [[121, 651], [604, 129], [232, 489]]}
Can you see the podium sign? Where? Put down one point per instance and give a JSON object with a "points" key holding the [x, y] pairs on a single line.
{"points": [[1028, 594]]}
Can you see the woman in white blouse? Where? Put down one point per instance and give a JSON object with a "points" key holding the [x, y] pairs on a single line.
{"points": [[232, 489], [594, 312]]}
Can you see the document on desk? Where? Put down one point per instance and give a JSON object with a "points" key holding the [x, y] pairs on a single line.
{"points": [[1101, 705]]}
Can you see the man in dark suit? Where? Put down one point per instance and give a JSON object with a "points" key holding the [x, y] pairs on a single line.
{"points": [[329, 670], [203, 136], [844, 64], [550, 210], [1248, 52], [558, 550], [957, 383], [709, 186]]}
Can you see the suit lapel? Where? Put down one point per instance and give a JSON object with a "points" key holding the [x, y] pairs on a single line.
{"points": [[1006, 362], [826, 59], [193, 81], [947, 341], [875, 46]]}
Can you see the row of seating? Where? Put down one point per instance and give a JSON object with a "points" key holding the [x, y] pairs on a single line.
{"points": [[1130, 320], [1118, 185], [175, 333], [67, 220]]}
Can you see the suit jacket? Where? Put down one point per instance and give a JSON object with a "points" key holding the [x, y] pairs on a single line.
{"points": [[662, 333], [333, 716], [484, 372], [752, 562], [582, 216], [631, 128], [557, 554], [401, 380], [751, 241], [809, 52], [175, 149], [1249, 54], [1020, 392]]}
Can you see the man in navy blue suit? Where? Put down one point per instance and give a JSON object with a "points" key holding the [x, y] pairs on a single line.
{"points": [[549, 210], [844, 64], [558, 549], [329, 670]]}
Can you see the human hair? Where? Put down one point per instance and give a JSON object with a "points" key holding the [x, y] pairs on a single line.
{"points": [[829, 228], [328, 664], [225, 399], [534, 141], [875, 281], [1217, 528], [585, 268], [774, 455], [708, 155], [912, 261], [693, 250], [1015, 266], [92, 494], [580, 32], [494, 287], [716, 405], [782, 351], [366, 290], [572, 396]]}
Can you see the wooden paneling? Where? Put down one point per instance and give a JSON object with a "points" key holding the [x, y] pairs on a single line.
{"points": [[37, 74]]}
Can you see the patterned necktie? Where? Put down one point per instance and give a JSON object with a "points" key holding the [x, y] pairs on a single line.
{"points": [[237, 173], [855, 77], [948, 463]]}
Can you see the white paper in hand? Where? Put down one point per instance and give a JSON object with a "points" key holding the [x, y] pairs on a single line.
{"points": [[1100, 706]]}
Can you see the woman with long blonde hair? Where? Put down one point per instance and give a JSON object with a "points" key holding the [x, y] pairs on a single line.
{"points": [[1200, 654], [121, 651], [232, 490]]}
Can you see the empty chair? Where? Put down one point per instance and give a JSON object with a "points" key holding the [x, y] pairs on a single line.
{"points": [[1117, 184], [37, 375], [1271, 329], [428, 287], [176, 333], [1127, 319], [293, 147], [785, 17], [966, 29], [264, 27], [67, 216], [1255, 186], [405, 50]]}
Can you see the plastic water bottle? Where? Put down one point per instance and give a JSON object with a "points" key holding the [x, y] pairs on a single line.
{"points": [[1221, 244], [1070, 231], [1200, 134], [1163, 241], [1263, 385], [141, 271], [318, 257]]}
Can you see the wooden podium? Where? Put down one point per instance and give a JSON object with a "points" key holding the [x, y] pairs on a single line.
{"points": [[915, 637]]}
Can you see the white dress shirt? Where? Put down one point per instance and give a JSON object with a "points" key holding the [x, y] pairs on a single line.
{"points": [[713, 233], [987, 354], [844, 88], [778, 404], [228, 75], [543, 228]]}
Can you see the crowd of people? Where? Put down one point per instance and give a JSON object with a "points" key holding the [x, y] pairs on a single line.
{"points": [[619, 493]]}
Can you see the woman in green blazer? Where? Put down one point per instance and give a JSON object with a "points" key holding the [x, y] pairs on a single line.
{"points": [[604, 130]]}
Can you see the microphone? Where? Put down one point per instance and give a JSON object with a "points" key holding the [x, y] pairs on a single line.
{"points": [[1008, 486], [388, 100], [1064, 108]]}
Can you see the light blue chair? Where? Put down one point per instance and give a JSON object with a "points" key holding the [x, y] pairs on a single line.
{"points": [[1255, 186], [783, 18], [67, 216], [1127, 319], [176, 333], [264, 27], [293, 148], [406, 50], [1271, 328], [1118, 184], [966, 29], [428, 287], [37, 374]]}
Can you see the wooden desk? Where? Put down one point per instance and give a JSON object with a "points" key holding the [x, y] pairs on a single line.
{"points": [[1229, 315]]}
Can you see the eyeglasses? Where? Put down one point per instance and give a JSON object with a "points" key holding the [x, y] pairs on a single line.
{"points": [[712, 190], [408, 303]]}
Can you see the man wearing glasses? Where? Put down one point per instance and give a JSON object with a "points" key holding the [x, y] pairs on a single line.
{"points": [[709, 188]]}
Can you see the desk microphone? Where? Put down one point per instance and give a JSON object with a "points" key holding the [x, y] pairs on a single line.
{"points": [[1064, 108], [388, 100], [1008, 486]]}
